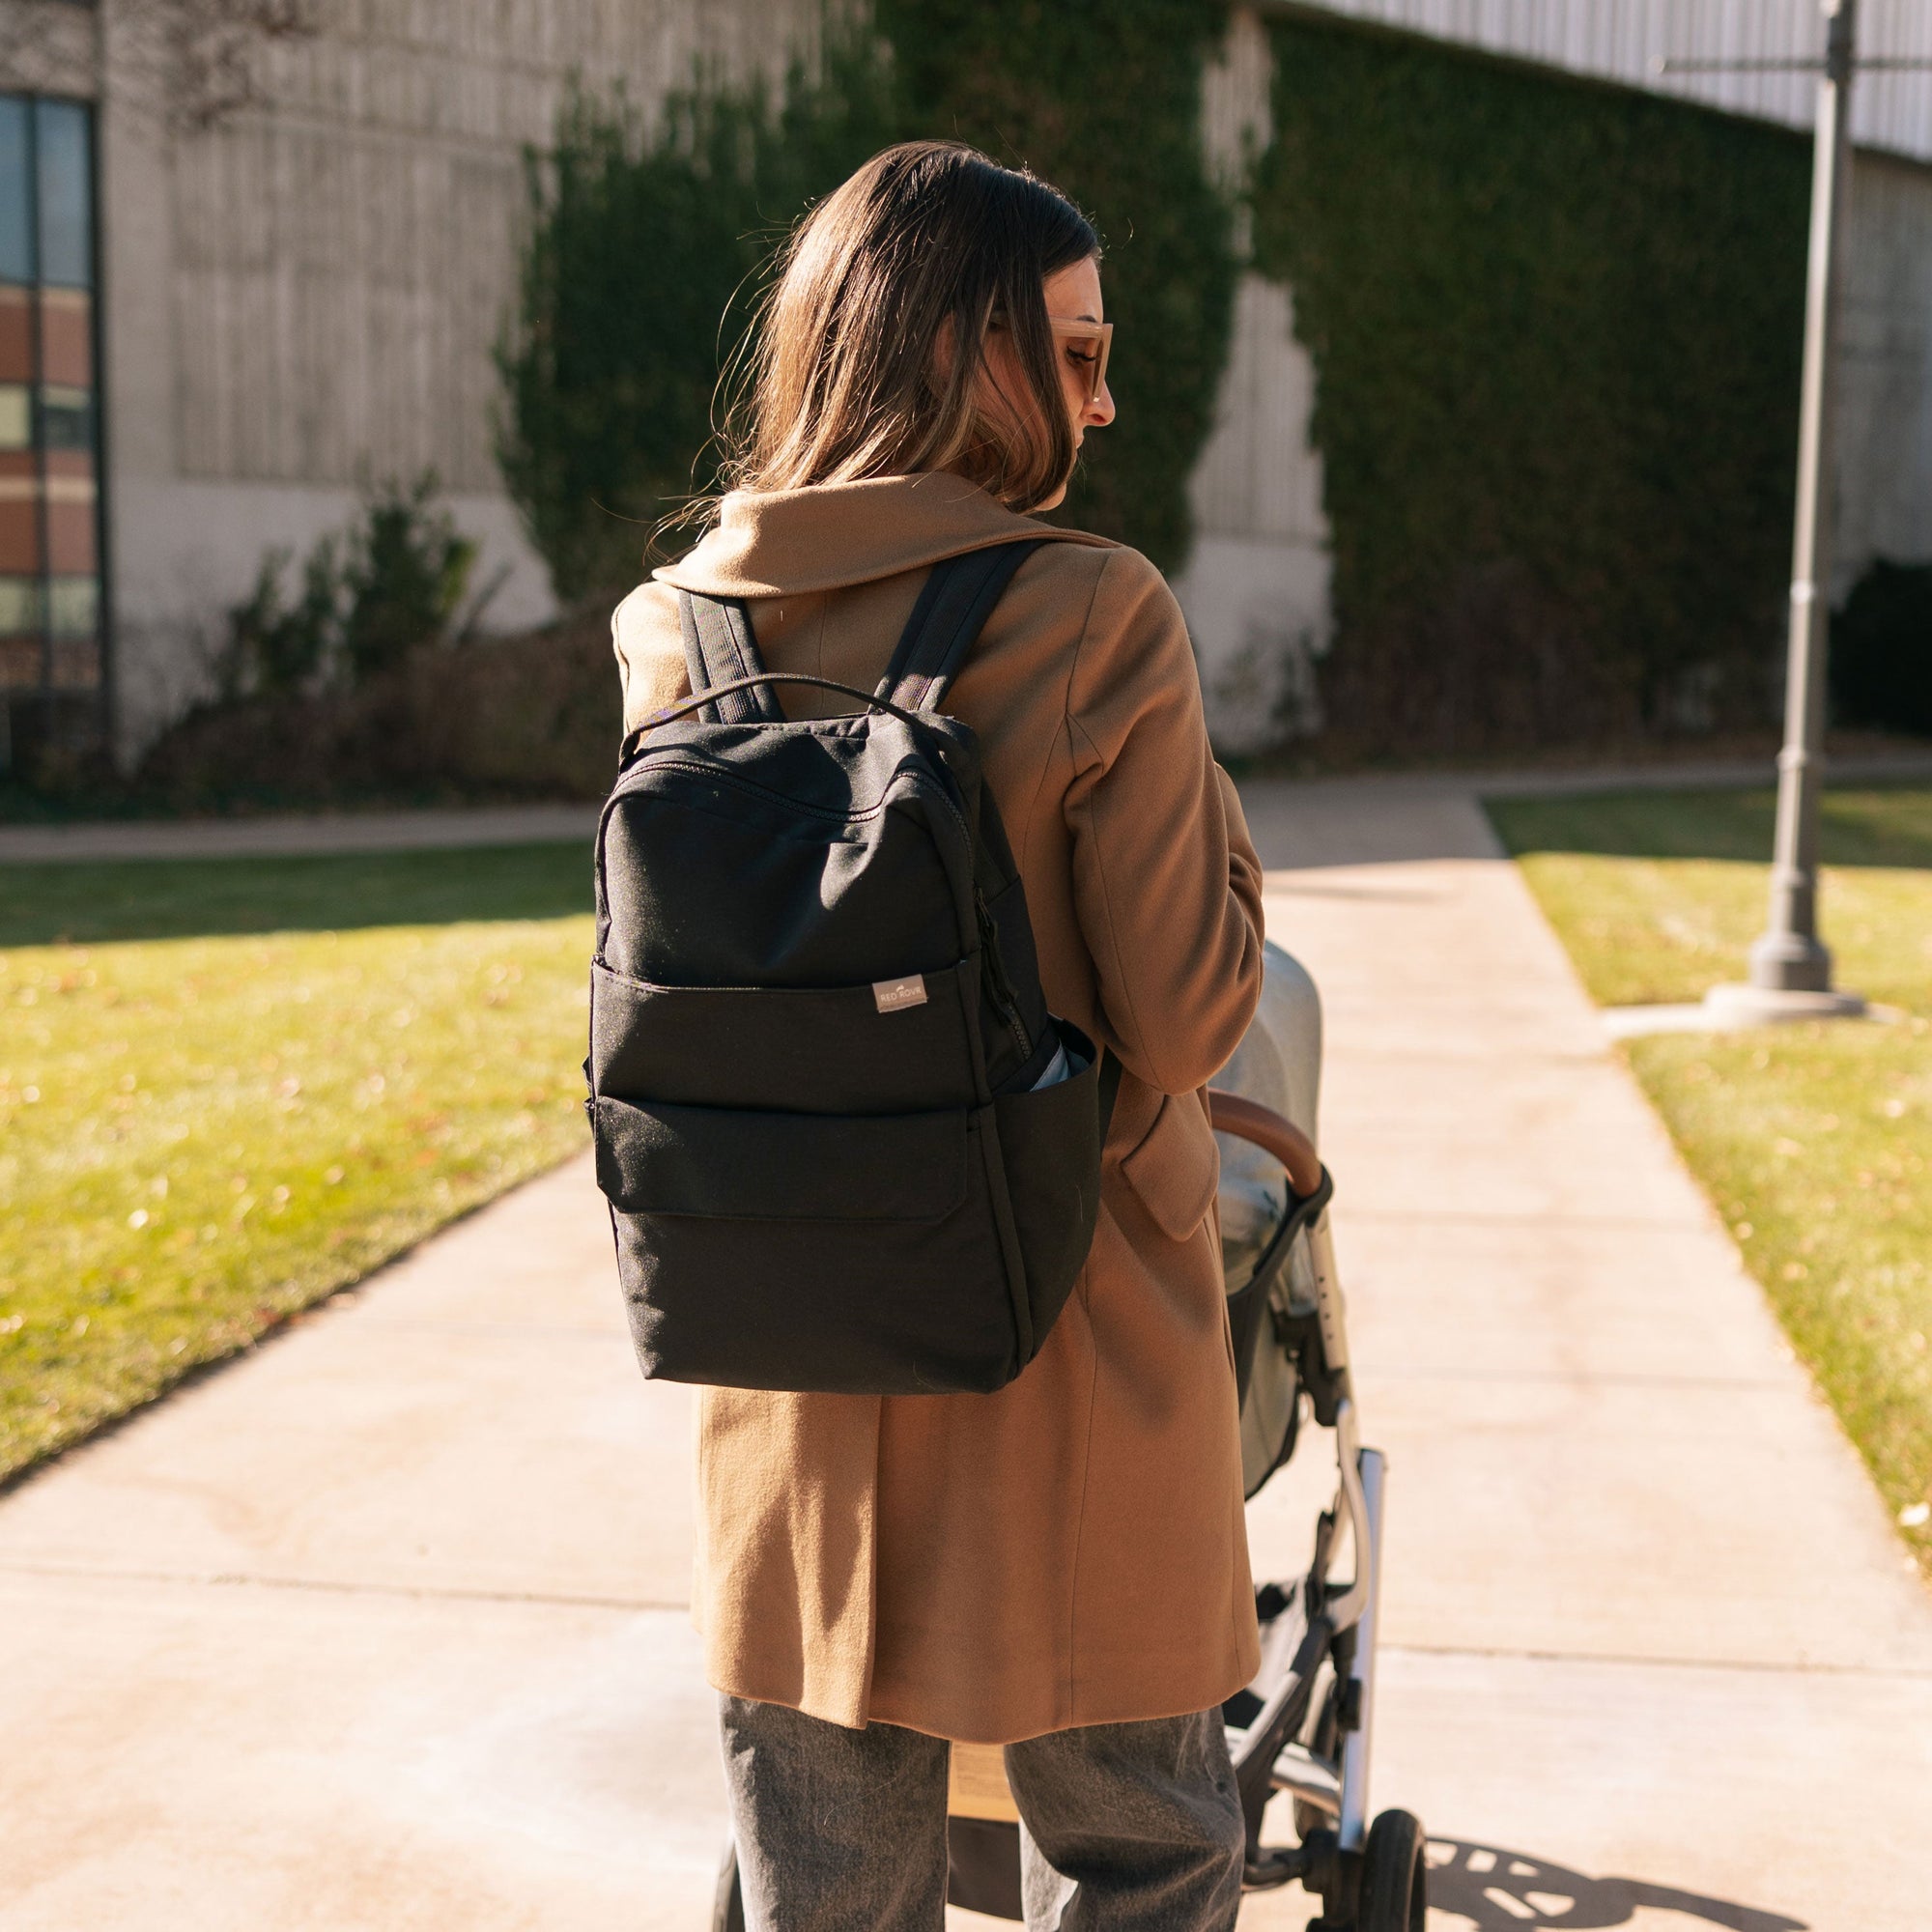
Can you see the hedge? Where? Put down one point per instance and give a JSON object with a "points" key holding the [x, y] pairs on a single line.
{"points": [[1556, 328]]}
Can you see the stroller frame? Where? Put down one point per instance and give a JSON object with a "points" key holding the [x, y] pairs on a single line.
{"points": [[1370, 1878]]}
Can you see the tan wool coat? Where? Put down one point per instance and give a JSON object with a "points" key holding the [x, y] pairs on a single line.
{"points": [[1071, 1549]]}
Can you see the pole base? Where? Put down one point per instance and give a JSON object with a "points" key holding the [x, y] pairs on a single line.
{"points": [[1764, 1006], [1790, 961]]}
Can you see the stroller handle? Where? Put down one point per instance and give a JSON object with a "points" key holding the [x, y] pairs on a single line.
{"points": [[1271, 1132]]}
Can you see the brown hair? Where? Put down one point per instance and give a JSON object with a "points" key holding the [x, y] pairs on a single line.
{"points": [[928, 243]]}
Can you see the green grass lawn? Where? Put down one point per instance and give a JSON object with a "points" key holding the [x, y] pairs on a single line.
{"points": [[1814, 1141], [229, 1086]]}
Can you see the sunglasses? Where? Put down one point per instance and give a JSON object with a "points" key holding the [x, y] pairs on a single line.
{"points": [[1087, 345]]}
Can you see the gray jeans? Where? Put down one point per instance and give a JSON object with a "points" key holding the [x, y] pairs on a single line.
{"points": [[1126, 1828]]}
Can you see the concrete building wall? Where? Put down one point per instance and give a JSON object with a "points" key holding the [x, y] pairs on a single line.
{"points": [[1256, 588], [303, 293], [48, 46], [1885, 372]]}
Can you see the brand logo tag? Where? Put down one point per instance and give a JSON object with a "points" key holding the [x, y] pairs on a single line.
{"points": [[894, 996]]}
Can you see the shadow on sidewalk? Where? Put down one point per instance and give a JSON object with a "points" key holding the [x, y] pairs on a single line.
{"points": [[1511, 1891]]}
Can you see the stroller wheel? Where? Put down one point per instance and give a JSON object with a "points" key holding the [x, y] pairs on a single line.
{"points": [[1395, 1879]]}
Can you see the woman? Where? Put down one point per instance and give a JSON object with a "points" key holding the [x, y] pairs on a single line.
{"points": [[1059, 1568]]}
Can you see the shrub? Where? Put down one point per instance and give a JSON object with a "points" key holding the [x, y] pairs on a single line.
{"points": [[394, 583], [402, 579], [1103, 97], [278, 648], [527, 716]]}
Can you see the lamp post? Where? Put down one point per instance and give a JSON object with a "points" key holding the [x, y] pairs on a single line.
{"points": [[1790, 965], [1789, 956]]}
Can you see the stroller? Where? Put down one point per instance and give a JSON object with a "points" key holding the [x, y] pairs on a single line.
{"points": [[1302, 1727]]}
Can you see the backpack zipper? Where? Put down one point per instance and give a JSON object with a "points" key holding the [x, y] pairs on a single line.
{"points": [[735, 780], [1004, 996]]}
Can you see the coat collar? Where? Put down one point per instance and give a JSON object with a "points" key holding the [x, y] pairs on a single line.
{"points": [[780, 543]]}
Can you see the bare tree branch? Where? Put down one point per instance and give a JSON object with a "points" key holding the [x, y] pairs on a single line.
{"points": [[192, 62], [208, 54], [47, 46]]}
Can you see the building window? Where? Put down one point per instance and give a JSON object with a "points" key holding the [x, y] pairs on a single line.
{"points": [[52, 644]]}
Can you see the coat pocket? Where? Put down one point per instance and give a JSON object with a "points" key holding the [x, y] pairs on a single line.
{"points": [[1176, 1168]]}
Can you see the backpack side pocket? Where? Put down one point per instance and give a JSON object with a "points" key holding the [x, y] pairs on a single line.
{"points": [[1050, 1150]]}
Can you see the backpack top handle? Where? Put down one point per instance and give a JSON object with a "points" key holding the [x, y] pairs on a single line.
{"points": [[760, 683]]}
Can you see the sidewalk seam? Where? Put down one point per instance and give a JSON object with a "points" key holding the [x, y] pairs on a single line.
{"points": [[229, 1580]]}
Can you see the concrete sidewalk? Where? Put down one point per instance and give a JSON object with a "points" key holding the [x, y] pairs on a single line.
{"points": [[1652, 1648], [385, 1628], [380, 1628], [435, 829]]}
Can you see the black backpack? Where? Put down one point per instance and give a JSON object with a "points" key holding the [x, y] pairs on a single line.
{"points": [[817, 1032]]}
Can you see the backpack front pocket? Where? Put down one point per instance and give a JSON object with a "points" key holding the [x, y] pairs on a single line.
{"points": [[733, 1164], [897, 1047], [804, 1251]]}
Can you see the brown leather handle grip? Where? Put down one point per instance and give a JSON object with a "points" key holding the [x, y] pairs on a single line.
{"points": [[1271, 1132]]}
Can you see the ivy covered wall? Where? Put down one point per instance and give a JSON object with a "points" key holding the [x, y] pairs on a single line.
{"points": [[646, 240], [646, 233], [1556, 328], [1103, 97]]}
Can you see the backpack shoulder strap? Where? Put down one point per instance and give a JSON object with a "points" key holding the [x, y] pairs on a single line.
{"points": [[954, 605], [718, 648]]}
